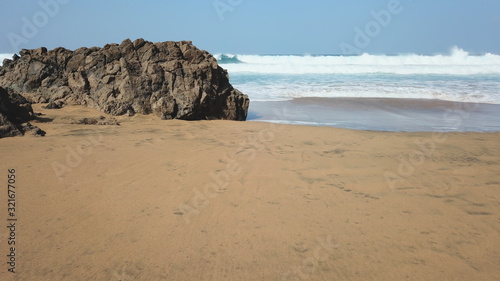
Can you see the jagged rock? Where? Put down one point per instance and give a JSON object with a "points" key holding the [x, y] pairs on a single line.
{"points": [[169, 79], [15, 112]]}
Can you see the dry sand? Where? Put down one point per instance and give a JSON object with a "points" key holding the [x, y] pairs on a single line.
{"points": [[219, 200]]}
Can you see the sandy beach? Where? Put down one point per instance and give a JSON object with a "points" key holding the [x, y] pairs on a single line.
{"points": [[222, 200]]}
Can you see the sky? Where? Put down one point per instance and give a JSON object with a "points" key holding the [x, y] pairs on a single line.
{"points": [[257, 26]]}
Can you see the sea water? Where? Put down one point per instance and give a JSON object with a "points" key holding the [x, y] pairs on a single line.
{"points": [[455, 77]]}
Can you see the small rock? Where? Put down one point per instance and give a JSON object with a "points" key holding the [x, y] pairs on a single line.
{"points": [[54, 105]]}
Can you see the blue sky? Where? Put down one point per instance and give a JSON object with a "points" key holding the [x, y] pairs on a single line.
{"points": [[258, 26]]}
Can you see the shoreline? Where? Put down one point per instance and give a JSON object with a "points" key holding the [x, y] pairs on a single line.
{"points": [[380, 114]]}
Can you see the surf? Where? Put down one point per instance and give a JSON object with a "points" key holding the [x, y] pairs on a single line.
{"points": [[457, 62]]}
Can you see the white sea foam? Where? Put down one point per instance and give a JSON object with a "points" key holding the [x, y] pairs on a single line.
{"points": [[458, 76], [280, 92], [5, 56], [458, 62]]}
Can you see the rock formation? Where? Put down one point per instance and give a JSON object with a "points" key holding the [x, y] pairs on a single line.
{"points": [[169, 79], [15, 112]]}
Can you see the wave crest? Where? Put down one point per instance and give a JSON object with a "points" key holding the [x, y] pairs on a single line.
{"points": [[227, 59], [458, 62]]}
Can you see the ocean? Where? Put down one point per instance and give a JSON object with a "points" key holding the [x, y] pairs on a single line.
{"points": [[276, 81]]}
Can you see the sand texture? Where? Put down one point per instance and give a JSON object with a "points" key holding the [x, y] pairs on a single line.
{"points": [[223, 200]]}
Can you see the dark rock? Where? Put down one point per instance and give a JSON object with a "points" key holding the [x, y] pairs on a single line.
{"points": [[54, 105], [169, 79], [101, 120], [33, 130], [15, 112]]}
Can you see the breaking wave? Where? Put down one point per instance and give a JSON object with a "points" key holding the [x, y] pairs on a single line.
{"points": [[457, 62]]}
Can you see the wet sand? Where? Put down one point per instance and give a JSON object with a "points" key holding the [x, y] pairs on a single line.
{"points": [[220, 200], [379, 114]]}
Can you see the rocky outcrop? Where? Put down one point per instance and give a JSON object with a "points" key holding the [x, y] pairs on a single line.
{"points": [[169, 79], [15, 114]]}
